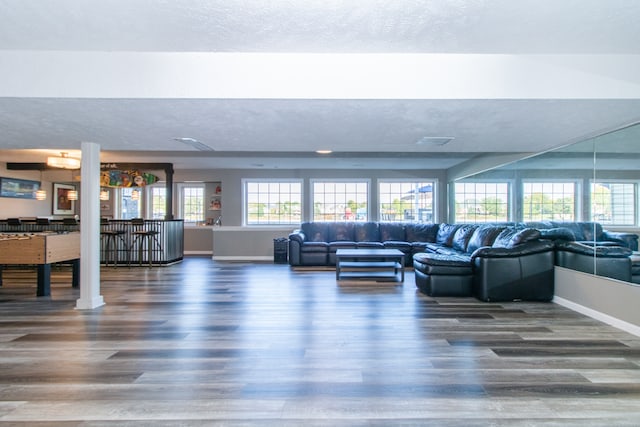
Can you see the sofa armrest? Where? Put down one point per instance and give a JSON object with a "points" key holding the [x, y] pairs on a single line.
{"points": [[527, 248], [298, 236], [629, 240], [598, 251]]}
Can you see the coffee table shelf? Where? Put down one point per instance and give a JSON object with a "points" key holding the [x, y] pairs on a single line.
{"points": [[369, 263]]}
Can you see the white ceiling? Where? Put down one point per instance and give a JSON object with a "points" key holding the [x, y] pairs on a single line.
{"points": [[527, 76]]}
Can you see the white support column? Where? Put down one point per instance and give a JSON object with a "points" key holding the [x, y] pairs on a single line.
{"points": [[90, 228]]}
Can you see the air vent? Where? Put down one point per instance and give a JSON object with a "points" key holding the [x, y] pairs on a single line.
{"points": [[194, 143], [435, 140]]}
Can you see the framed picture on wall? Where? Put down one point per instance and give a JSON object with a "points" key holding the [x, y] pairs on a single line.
{"points": [[18, 188], [62, 205]]}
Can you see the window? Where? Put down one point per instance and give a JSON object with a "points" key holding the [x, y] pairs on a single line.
{"points": [[130, 202], [613, 203], [548, 201], [481, 201], [192, 202], [273, 202], [406, 201], [340, 201], [158, 201]]}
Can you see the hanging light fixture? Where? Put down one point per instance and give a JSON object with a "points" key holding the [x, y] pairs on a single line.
{"points": [[63, 161], [135, 195], [72, 194], [104, 194], [40, 193]]}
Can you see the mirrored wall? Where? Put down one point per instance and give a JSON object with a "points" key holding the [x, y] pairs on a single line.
{"points": [[596, 179]]}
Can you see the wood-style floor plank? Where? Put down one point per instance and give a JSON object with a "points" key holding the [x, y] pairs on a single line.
{"points": [[205, 343]]}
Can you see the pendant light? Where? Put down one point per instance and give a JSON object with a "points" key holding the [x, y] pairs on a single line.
{"points": [[40, 193]]}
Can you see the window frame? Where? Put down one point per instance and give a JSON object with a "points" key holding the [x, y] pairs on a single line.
{"points": [[181, 187], [245, 201], [577, 201], [312, 194], [509, 202], [635, 203], [434, 192], [149, 199]]}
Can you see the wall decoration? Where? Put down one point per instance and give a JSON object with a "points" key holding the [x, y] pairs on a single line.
{"points": [[18, 188], [131, 178], [62, 205]]}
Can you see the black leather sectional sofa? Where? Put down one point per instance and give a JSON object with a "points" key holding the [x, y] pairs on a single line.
{"points": [[494, 262]]}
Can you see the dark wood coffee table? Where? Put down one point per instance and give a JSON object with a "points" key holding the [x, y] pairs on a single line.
{"points": [[369, 263]]}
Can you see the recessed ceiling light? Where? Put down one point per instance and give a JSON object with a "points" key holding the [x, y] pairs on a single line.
{"points": [[194, 143], [324, 151], [435, 140]]}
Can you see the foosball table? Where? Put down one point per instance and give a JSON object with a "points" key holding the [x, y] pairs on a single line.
{"points": [[41, 250]]}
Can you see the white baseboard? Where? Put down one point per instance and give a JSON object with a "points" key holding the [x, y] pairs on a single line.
{"points": [[242, 258], [610, 320], [198, 252]]}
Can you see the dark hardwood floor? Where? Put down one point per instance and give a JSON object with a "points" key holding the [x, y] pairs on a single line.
{"points": [[204, 343]]}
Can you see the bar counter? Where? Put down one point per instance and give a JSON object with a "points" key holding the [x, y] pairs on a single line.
{"points": [[121, 247]]}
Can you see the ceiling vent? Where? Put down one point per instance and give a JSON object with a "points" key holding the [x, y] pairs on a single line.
{"points": [[194, 143], [435, 140]]}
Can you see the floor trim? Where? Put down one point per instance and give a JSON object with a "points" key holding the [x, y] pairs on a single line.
{"points": [[610, 320]]}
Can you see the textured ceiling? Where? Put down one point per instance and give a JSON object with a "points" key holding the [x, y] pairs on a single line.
{"points": [[244, 131]]}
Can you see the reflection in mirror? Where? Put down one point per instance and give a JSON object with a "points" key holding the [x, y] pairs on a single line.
{"points": [[591, 187]]}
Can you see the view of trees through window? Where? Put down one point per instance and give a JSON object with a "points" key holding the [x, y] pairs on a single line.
{"points": [[544, 201], [406, 201], [340, 201], [481, 201], [273, 202]]}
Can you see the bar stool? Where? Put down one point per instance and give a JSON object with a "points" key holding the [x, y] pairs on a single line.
{"points": [[142, 234], [109, 238]]}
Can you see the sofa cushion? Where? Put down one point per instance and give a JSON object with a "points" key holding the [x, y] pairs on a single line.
{"points": [[315, 247], [393, 244], [511, 237], [418, 232], [392, 231], [315, 231], [446, 233], [369, 245], [559, 233], [461, 237], [483, 236], [458, 264], [341, 231], [367, 232], [583, 231]]}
